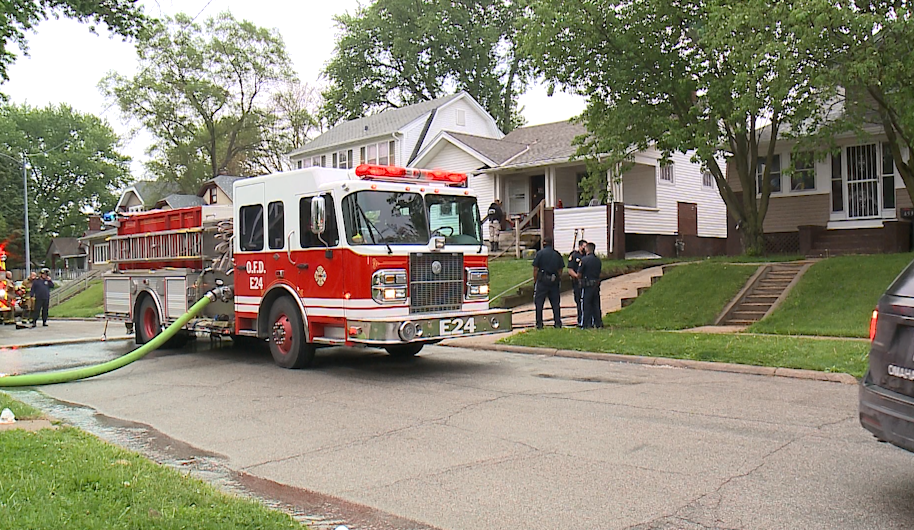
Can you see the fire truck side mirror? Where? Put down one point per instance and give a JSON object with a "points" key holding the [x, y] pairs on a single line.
{"points": [[318, 215]]}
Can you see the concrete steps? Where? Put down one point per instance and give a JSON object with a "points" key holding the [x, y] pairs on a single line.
{"points": [[767, 287]]}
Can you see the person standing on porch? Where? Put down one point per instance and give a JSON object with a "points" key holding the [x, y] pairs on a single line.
{"points": [[547, 270], [496, 218]]}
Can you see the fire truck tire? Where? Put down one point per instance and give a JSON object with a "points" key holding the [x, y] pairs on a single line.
{"points": [[287, 336], [406, 350], [148, 322]]}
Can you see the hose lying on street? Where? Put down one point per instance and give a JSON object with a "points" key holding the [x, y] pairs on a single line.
{"points": [[65, 376]]}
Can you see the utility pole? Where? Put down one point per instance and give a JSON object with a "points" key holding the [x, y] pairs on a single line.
{"points": [[25, 188]]}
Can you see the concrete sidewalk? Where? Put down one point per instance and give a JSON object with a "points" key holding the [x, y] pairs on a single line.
{"points": [[61, 332]]}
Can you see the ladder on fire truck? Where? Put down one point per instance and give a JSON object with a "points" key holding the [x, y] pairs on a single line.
{"points": [[182, 244]]}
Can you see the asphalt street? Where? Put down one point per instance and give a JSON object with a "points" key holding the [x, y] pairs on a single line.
{"points": [[463, 439]]}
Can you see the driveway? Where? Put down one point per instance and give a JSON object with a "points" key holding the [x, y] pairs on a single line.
{"points": [[461, 439]]}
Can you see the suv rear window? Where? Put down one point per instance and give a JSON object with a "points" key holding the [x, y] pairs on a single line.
{"points": [[904, 283]]}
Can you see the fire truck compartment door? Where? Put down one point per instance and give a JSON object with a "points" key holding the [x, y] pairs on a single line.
{"points": [[117, 295]]}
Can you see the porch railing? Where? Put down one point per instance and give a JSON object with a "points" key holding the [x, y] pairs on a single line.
{"points": [[525, 227]]}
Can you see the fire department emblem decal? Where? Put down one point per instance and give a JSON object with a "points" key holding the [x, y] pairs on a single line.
{"points": [[320, 275], [436, 267]]}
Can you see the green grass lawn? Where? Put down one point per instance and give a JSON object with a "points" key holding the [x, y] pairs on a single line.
{"points": [[790, 352], [835, 297], [86, 304], [21, 410], [687, 296], [66, 478]]}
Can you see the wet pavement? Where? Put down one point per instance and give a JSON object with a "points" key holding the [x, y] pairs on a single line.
{"points": [[16, 360], [59, 331], [470, 439]]}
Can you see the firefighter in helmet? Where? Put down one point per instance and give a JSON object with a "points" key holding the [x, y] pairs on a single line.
{"points": [[27, 301], [7, 294]]}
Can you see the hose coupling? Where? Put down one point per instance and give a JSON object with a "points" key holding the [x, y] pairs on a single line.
{"points": [[223, 293]]}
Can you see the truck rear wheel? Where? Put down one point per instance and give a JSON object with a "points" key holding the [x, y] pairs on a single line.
{"points": [[287, 336], [147, 321], [406, 350]]}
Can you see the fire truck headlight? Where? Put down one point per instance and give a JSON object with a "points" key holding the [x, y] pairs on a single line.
{"points": [[390, 294], [389, 286]]}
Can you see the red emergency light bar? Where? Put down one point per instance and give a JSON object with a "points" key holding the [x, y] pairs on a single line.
{"points": [[371, 172]]}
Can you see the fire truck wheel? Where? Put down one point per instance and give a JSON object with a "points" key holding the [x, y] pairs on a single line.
{"points": [[287, 336], [148, 323], [407, 350]]}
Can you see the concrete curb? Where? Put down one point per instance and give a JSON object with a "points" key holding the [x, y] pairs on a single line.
{"points": [[64, 342], [793, 373]]}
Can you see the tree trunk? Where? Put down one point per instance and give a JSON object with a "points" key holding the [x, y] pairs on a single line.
{"points": [[754, 237]]}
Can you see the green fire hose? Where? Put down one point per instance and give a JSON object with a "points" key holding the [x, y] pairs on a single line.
{"points": [[65, 376]]}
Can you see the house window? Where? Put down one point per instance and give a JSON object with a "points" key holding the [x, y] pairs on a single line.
{"points": [[213, 195], [707, 179], [299, 164], [888, 177], [333, 164], [251, 228], [837, 187], [665, 172], [804, 172], [343, 159], [317, 161], [380, 153], [100, 253], [362, 158], [276, 225], [775, 173], [304, 163], [461, 117]]}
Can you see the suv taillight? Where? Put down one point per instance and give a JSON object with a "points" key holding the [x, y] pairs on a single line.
{"points": [[873, 324]]}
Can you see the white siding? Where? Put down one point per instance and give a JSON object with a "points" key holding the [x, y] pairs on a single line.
{"points": [[592, 219], [478, 123], [411, 134], [452, 158], [686, 187], [484, 188]]}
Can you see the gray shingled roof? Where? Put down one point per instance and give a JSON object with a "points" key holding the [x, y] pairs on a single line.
{"points": [[495, 150], [65, 247], [151, 190], [176, 200], [383, 123], [548, 142], [224, 183]]}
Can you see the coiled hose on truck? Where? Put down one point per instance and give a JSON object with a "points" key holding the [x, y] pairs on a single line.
{"points": [[65, 376]]}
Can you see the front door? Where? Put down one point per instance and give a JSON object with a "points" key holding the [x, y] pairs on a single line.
{"points": [[862, 182]]}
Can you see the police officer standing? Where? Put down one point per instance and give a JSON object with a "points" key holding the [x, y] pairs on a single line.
{"points": [[574, 266], [590, 279], [41, 292], [547, 270]]}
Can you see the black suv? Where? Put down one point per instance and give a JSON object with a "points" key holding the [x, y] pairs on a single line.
{"points": [[887, 390]]}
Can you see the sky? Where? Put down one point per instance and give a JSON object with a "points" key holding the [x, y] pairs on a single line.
{"points": [[66, 61]]}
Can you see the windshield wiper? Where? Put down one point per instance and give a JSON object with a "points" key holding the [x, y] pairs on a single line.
{"points": [[371, 227]]}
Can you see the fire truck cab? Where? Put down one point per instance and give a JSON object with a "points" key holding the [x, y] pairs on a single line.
{"points": [[377, 255]]}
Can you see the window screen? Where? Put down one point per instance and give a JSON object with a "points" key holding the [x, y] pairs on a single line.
{"points": [[251, 228], [331, 235], [276, 225]]}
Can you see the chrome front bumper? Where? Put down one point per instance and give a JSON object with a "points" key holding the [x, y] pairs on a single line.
{"points": [[428, 328]]}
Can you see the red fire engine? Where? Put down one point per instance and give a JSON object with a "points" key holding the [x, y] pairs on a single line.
{"points": [[380, 256]]}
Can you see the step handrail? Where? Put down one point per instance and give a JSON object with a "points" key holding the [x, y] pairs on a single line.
{"points": [[77, 286]]}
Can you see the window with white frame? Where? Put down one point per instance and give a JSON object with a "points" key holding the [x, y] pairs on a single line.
{"points": [[213, 195], [804, 171], [380, 153], [665, 172], [343, 159], [707, 179], [775, 175], [319, 161], [100, 253]]}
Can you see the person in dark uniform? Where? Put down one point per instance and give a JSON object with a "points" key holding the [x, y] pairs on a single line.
{"points": [[496, 218], [574, 266], [41, 292], [547, 268], [590, 296]]}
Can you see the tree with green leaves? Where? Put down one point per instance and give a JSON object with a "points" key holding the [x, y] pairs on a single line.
{"points": [[715, 77], [74, 167], [293, 119], [873, 63], [123, 17], [393, 53], [203, 90]]}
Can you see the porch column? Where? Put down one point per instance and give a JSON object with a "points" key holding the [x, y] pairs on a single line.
{"points": [[550, 187], [496, 181], [614, 185]]}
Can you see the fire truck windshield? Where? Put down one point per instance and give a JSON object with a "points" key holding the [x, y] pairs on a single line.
{"points": [[385, 218]]}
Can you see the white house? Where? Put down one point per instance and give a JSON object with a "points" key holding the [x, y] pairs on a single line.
{"points": [[656, 205]]}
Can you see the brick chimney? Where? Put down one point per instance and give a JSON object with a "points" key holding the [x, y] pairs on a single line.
{"points": [[95, 223]]}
